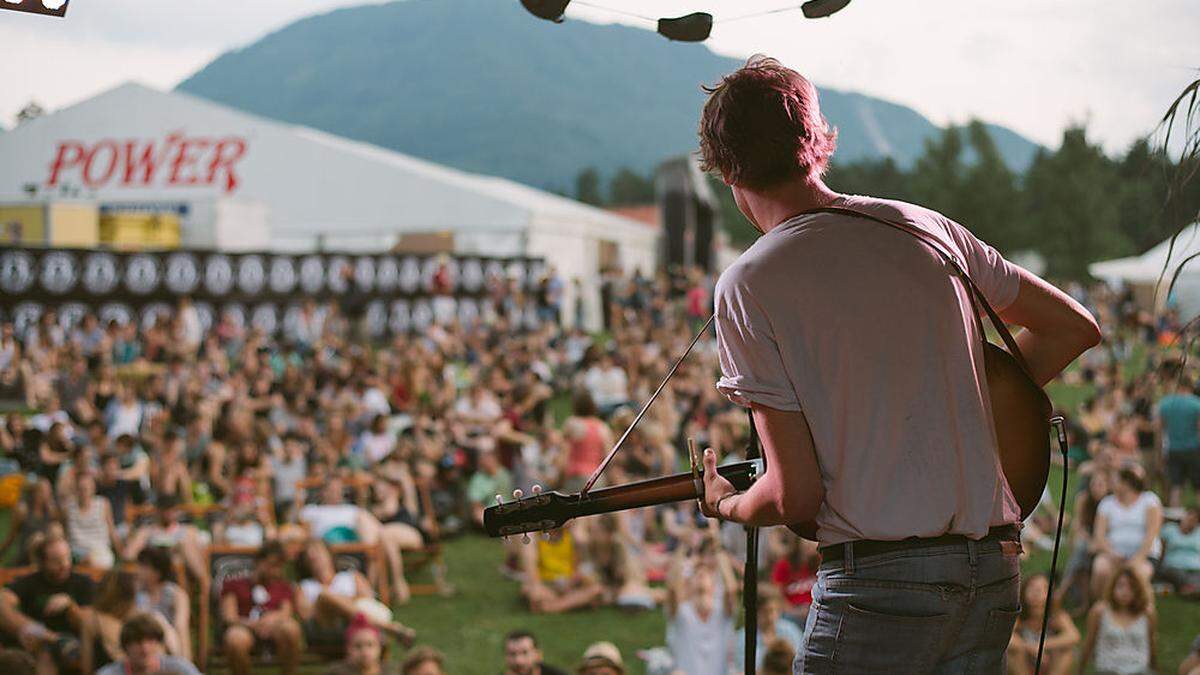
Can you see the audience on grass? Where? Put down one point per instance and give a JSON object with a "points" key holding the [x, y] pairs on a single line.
{"points": [[149, 443]]}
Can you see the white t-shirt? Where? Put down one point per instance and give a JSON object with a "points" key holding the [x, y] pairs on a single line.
{"points": [[1127, 524], [322, 518], [864, 328], [342, 585]]}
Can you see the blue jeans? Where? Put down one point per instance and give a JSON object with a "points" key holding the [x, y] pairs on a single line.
{"points": [[944, 609]]}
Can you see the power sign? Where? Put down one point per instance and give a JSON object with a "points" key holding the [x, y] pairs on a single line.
{"points": [[178, 160]]}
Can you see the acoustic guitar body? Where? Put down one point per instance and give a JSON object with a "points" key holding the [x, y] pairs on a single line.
{"points": [[1021, 415]]}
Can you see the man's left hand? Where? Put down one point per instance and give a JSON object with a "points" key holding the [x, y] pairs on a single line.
{"points": [[715, 486]]}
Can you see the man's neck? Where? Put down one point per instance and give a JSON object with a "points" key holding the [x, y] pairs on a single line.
{"points": [[780, 203]]}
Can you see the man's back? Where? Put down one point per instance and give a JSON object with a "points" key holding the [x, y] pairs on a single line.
{"points": [[1180, 415], [877, 345]]}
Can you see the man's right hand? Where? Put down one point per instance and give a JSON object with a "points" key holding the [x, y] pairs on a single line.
{"points": [[58, 603]]}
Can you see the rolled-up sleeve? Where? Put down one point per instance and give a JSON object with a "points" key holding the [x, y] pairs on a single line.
{"points": [[752, 368], [998, 279]]}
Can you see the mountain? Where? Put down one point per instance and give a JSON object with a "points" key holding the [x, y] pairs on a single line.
{"points": [[484, 86]]}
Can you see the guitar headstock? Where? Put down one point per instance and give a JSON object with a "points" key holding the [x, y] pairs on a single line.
{"points": [[539, 512]]}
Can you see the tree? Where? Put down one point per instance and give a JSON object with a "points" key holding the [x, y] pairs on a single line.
{"points": [[878, 178], [988, 198], [587, 187], [1072, 206], [937, 176], [629, 187]]}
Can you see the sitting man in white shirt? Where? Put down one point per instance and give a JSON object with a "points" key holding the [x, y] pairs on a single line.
{"points": [[334, 520]]}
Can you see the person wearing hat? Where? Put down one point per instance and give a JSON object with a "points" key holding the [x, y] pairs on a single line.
{"points": [[602, 658]]}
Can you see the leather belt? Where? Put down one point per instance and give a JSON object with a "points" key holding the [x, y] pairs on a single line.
{"points": [[868, 547]]}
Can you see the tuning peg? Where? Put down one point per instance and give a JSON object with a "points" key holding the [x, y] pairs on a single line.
{"points": [[499, 500], [525, 538], [517, 494], [537, 489]]}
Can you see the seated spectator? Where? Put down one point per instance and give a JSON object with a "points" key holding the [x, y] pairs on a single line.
{"points": [[423, 661], [158, 593], [242, 527], [588, 440], [794, 575], [555, 578], [701, 605], [167, 531], [35, 514], [1127, 528], [335, 521], [376, 442], [260, 609], [1077, 573], [116, 602], [490, 479], [1061, 637], [778, 658], [141, 640], [607, 383], [1122, 627], [770, 629], [617, 566], [118, 492], [1181, 562], [522, 656], [364, 652], [45, 611], [333, 599], [601, 658], [90, 526]]}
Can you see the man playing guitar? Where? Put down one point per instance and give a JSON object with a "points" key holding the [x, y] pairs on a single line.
{"points": [[860, 354]]}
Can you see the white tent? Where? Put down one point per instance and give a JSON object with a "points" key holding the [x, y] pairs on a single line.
{"points": [[245, 182], [1143, 272]]}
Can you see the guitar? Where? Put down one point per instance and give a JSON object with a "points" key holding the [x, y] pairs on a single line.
{"points": [[544, 511]]}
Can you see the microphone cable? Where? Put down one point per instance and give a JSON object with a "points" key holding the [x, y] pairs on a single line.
{"points": [[1060, 427]]}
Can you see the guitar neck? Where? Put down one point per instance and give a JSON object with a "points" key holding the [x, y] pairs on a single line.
{"points": [[655, 491]]}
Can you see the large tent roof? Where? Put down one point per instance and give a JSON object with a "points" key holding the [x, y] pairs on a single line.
{"points": [[1149, 266], [314, 183]]}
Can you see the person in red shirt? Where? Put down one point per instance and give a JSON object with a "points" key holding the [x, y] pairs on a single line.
{"points": [[261, 607], [794, 575]]}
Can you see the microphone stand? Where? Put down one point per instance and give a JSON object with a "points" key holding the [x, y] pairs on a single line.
{"points": [[750, 572]]}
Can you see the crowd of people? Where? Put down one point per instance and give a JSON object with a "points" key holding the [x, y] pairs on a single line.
{"points": [[329, 464]]}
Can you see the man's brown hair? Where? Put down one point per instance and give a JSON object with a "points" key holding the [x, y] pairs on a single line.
{"points": [[762, 125]]}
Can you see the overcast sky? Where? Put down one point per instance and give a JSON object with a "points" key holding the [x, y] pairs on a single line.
{"points": [[1032, 65]]}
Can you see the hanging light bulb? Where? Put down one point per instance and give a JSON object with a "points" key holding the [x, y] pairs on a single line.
{"points": [[694, 27], [819, 9], [550, 10]]}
